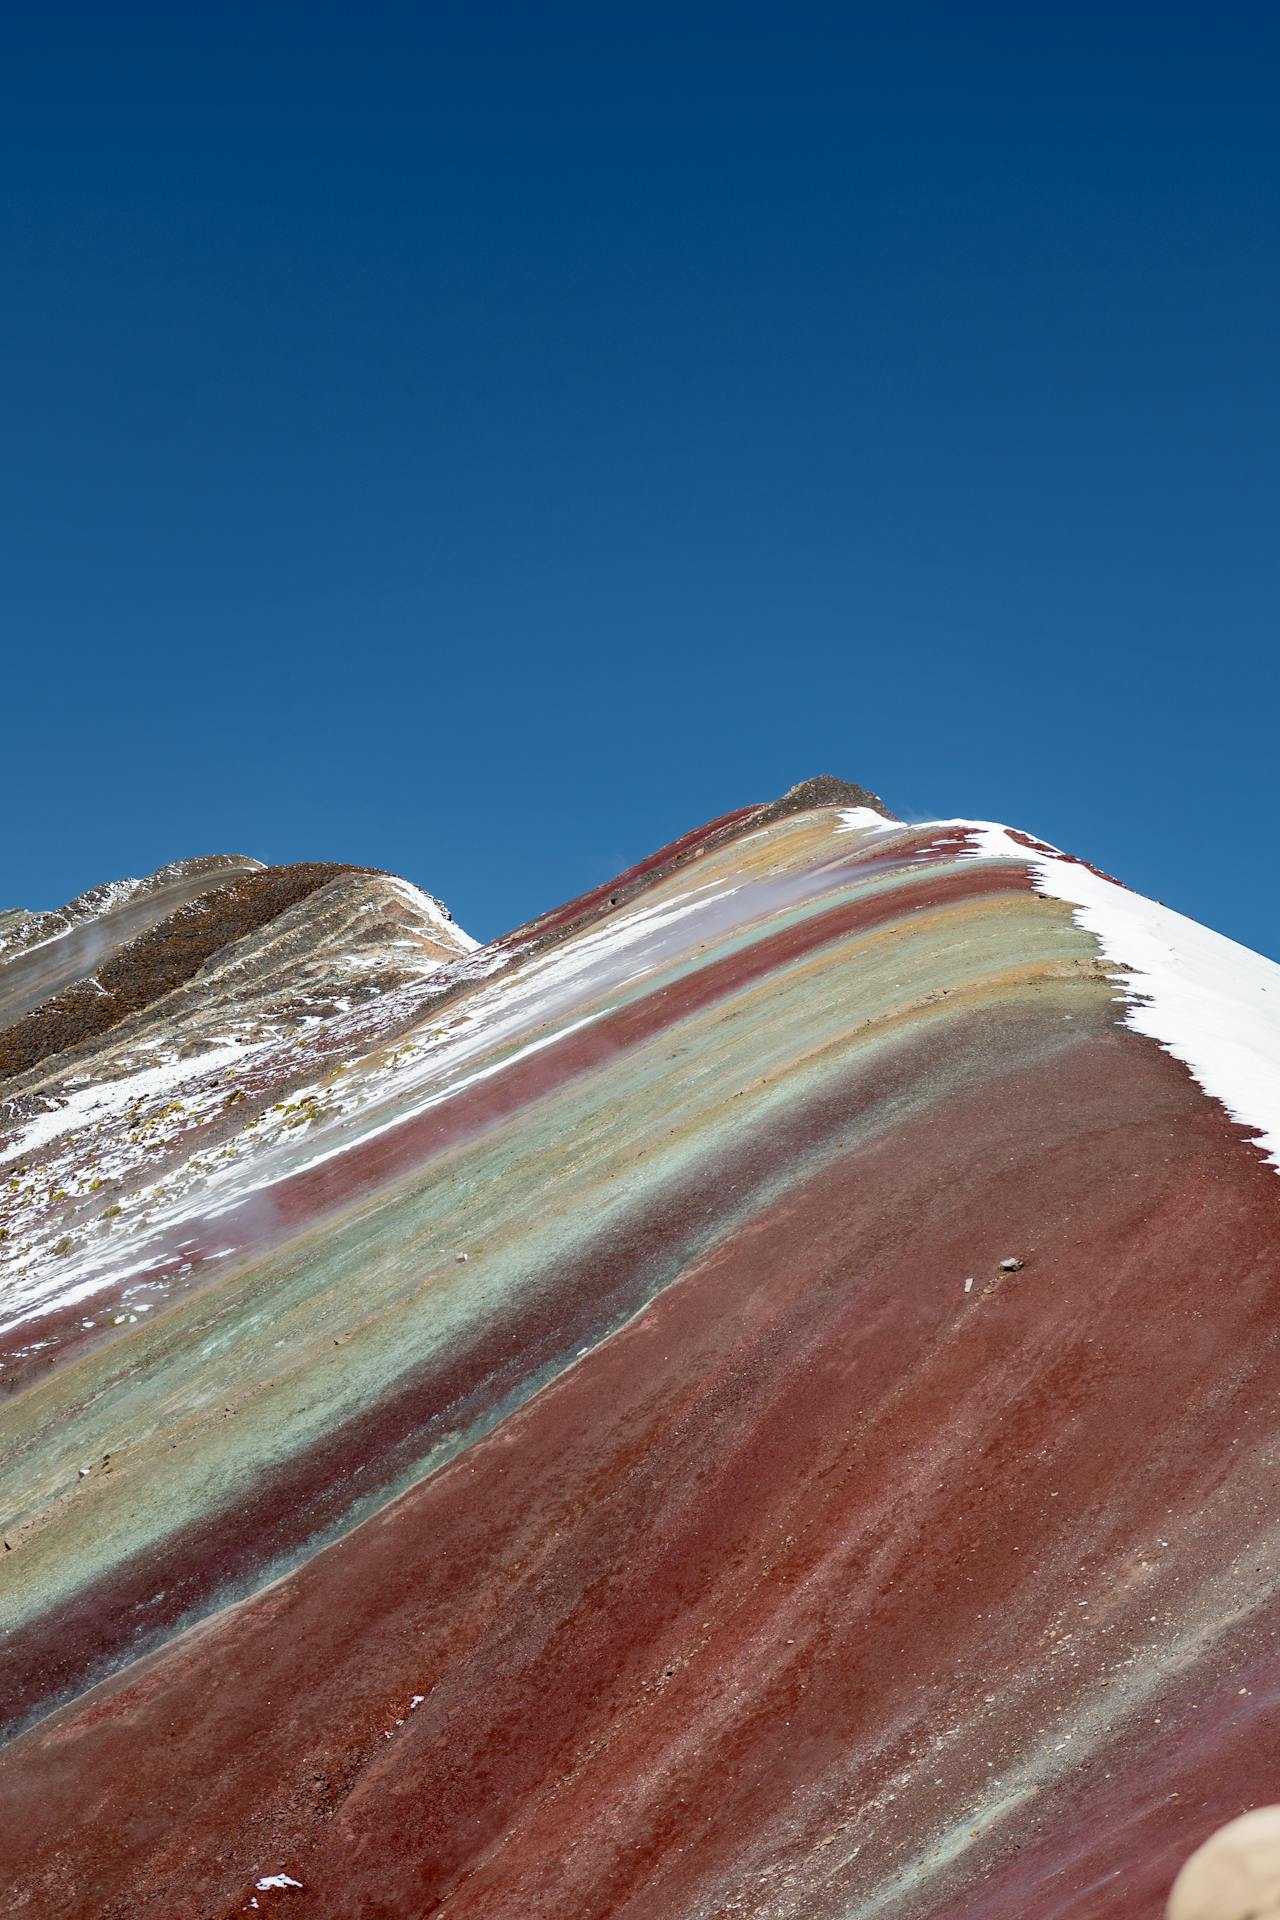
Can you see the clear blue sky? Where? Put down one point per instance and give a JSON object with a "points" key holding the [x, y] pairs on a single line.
{"points": [[484, 441]]}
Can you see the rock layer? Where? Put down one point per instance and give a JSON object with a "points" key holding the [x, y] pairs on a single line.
{"points": [[752, 1395]]}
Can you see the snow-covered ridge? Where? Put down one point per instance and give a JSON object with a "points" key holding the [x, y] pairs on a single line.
{"points": [[436, 913], [1210, 1002]]}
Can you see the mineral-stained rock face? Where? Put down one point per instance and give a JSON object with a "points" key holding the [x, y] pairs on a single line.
{"points": [[753, 1395]]}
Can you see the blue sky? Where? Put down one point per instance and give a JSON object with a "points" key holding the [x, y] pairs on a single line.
{"points": [[484, 442]]}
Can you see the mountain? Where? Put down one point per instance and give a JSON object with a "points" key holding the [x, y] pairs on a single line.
{"points": [[754, 1394]]}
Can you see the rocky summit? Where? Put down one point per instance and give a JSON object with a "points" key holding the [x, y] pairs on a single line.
{"points": [[753, 1395]]}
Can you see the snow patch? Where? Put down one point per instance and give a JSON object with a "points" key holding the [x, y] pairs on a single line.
{"points": [[437, 913], [96, 1102], [864, 820], [1210, 1002]]}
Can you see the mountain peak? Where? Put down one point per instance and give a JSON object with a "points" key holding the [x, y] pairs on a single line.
{"points": [[824, 790]]}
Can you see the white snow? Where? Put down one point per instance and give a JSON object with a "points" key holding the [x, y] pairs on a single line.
{"points": [[863, 820], [270, 1880], [431, 909], [1210, 1002], [97, 1103]]}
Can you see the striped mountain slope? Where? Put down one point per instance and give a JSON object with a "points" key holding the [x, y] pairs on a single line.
{"points": [[755, 1395]]}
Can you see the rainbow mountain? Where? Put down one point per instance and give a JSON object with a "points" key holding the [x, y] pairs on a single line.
{"points": [[756, 1394]]}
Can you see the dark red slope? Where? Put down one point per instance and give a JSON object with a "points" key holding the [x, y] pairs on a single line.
{"points": [[681, 1622]]}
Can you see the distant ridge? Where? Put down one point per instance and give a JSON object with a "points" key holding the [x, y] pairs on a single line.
{"points": [[164, 956]]}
